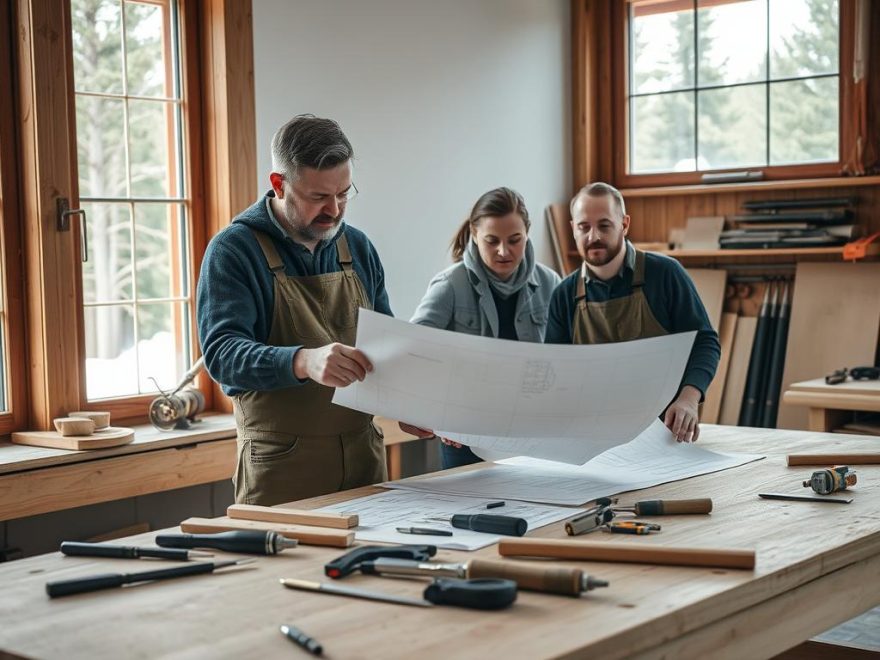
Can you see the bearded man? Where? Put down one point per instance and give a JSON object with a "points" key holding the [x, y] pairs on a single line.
{"points": [[621, 294], [278, 300]]}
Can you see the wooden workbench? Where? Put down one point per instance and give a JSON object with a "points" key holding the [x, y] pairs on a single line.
{"points": [[817, 566], [830, 405]]}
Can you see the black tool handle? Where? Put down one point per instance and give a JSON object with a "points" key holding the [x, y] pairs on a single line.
{"points": [[673, 507], [479, 594], [250, 542], [109, 580], [491, 524], [74, 549]]}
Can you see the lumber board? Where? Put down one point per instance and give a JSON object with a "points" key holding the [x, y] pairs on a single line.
{"points": [[737, 370], [712, 404], [710, 283]]}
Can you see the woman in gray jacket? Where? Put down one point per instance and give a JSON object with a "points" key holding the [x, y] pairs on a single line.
{"points": [[495, 288]]}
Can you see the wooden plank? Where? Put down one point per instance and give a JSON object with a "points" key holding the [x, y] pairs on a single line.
{"points": [[112, 436], [740, 353], [306, 535], [818, 649], [710, 284], [711, 410], [645, 609], [835, 317], [286, 514], [30, 493]]}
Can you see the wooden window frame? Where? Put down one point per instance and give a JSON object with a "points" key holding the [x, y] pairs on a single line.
{"points": [[220, 157], [600, 91], [15, 417]]}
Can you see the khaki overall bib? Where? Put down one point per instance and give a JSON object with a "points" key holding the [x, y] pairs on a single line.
{"points": [[293, 443], [619, 319]]}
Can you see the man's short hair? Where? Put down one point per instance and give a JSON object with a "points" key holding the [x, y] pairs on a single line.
{"points": [[600, 189], [309, 141]]}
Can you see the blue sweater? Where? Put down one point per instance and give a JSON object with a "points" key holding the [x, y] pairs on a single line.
{"points": [[672, 297], [236, 297]]}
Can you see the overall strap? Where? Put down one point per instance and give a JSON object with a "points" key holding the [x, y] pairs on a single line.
{"points": [[639, 271], [269, 251], [343, 253]]}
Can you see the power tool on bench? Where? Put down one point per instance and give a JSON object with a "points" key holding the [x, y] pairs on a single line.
{"points": [[831, 480]]}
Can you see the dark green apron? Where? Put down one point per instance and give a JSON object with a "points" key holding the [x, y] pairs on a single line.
{"points": [[293, 443]]}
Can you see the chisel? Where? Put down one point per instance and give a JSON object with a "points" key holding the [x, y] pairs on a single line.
{"points": [[546, 579], [667, 507], [488, 523]]}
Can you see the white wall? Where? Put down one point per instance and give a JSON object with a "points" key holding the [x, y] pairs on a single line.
{"points": [[442, 101]]}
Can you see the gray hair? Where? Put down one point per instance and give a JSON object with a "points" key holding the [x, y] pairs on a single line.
{"points": [[600, 189], [309, 141]]}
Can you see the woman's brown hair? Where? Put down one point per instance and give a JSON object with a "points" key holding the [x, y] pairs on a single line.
{"points": [[495, 203]]}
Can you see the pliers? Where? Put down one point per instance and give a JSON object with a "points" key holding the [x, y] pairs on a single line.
{"points": [[631, 527]]}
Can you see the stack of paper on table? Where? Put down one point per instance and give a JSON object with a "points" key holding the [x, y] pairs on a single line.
{"points": [[652, 458], [381, 514]]}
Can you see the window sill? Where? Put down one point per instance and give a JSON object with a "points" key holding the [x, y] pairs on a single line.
{"points": [[18, 458], [752, 186]]}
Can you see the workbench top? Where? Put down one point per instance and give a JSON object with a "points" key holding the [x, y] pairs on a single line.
{"points": [[817, 565]]}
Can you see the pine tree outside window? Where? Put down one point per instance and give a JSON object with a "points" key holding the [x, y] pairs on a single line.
{"points": [[136, 288], [722, 85]]}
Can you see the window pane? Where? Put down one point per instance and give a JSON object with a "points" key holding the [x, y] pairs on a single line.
{"points": [[663, 133], [732, 44], [97, 45], [803, 121], [732, 127], [150, 130], [107, 273], [161, 356], [662, 50], [804, 38], [111, 362], [160, 241], [100, 145], [145, 50]]}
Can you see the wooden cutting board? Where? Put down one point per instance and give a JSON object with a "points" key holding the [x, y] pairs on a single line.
{"points": [[112, 436]]}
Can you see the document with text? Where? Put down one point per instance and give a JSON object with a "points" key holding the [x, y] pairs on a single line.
{"points": [[381, 514]]}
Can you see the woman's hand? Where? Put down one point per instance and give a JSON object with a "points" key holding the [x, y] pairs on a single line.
{"points": [[425, 433]]}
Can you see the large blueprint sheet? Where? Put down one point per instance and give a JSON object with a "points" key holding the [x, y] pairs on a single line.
{"points": [[653, 458], [461, 383]]}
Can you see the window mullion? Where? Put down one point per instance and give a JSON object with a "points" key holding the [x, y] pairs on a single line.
{"points": [[48, 168]]}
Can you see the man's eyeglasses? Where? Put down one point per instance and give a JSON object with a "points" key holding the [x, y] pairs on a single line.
{"points": [[856, 373], [341, 198]]}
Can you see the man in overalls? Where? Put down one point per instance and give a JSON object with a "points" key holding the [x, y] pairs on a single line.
{"points": [[621, 294], [278, 300]]}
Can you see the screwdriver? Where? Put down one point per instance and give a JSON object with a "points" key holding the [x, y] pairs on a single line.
{"points": [[248, 542], [667, 507], [488, 523], [109, 580], [73, 548]]}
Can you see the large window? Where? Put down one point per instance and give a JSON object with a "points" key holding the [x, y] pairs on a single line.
{"points": [[136, 287], [731, 85]]}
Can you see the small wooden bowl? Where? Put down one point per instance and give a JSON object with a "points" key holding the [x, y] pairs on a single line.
{"points": [[101, 419], [74, 425]]}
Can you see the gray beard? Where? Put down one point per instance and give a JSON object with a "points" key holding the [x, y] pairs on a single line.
{"points": [[308, 234]]}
